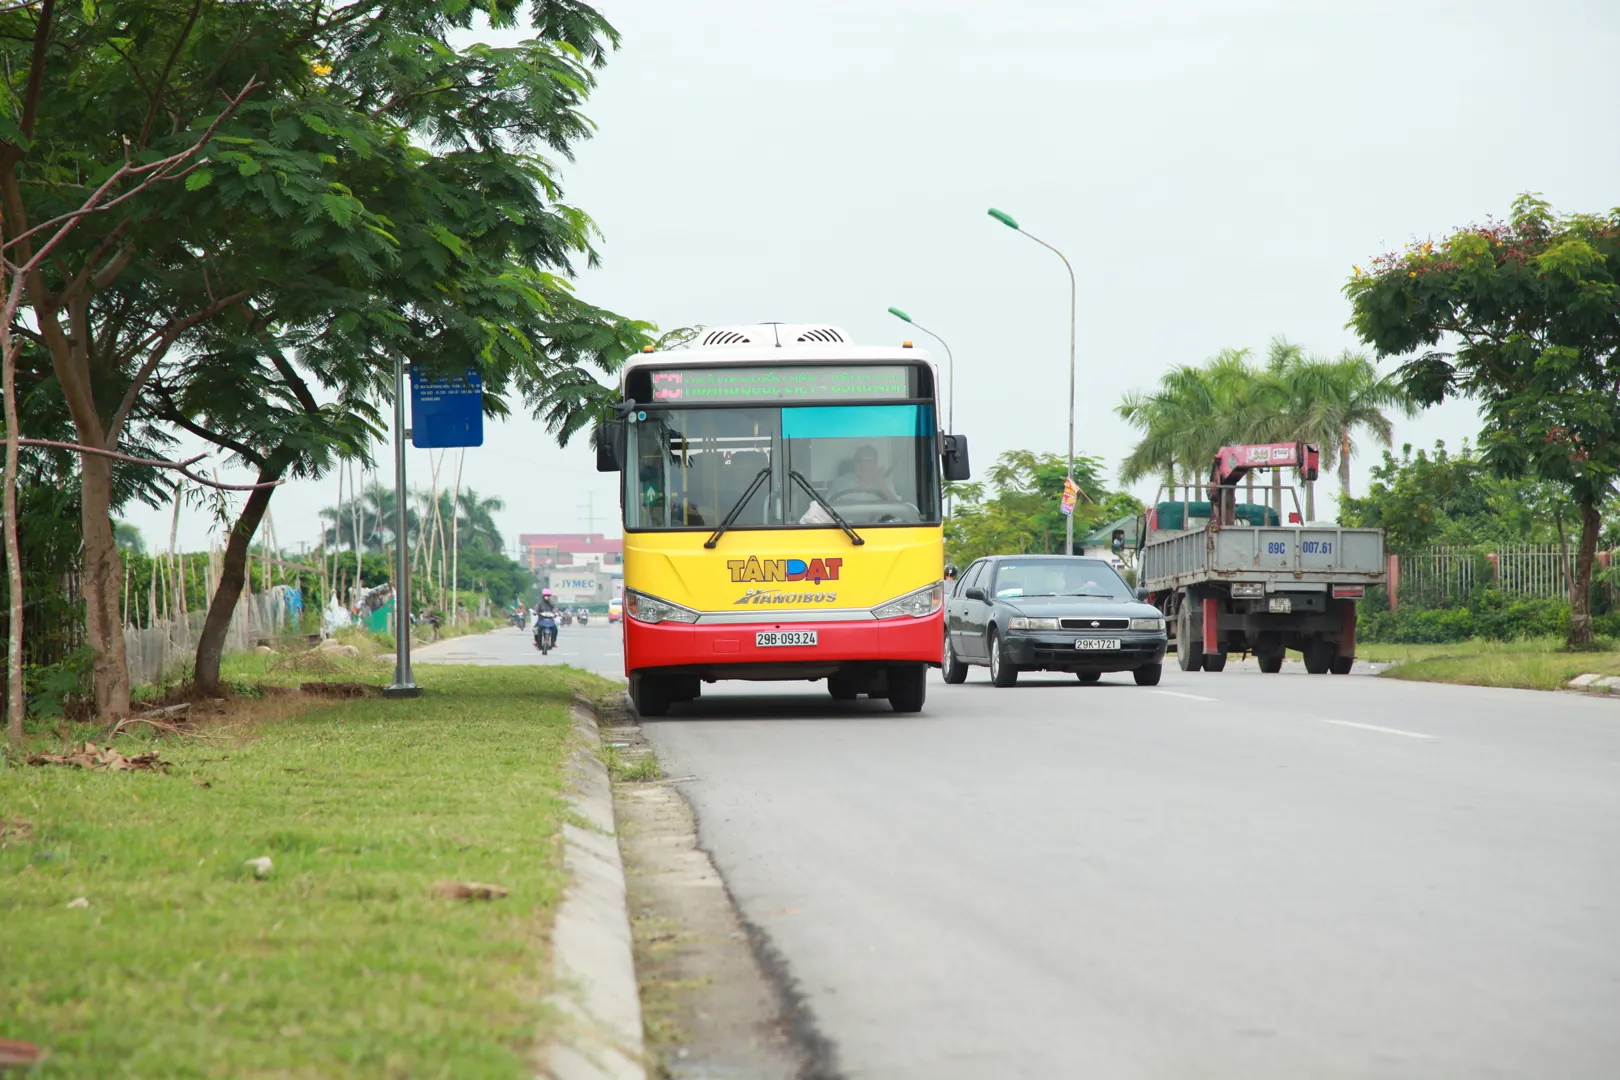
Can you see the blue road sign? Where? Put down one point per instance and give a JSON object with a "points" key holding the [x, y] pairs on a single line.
{"points": [[447, 412]]}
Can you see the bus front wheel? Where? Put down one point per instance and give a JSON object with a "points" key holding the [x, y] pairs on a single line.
{"points": [[650, 694], [908, 686]]}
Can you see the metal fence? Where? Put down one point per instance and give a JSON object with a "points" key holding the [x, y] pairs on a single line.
{"points": [[1453, 573], [168, 646]]}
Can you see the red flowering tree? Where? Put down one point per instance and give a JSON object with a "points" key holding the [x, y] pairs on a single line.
{"points": [[1522, 317]]}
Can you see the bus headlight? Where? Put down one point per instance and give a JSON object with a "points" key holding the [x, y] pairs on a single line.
{"points": [[650, 609], [1154, 624], [919, 605]]}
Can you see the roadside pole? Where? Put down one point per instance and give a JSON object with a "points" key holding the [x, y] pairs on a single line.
{"points": [[404, 685]]}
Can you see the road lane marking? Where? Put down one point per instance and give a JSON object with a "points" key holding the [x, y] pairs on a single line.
{"points": [[1385, 730], [1189, 697]]}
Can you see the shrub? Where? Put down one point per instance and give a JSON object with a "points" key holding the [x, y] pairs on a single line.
{"points": [[1490, 615]]}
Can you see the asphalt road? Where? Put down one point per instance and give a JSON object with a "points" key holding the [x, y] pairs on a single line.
{"points": [[1233, 875]]}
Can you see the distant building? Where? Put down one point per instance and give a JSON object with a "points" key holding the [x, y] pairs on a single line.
{"points": [[543, 550], [579, 568]]}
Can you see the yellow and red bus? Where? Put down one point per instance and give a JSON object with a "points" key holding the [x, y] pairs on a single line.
{"points": [[781, 501]]}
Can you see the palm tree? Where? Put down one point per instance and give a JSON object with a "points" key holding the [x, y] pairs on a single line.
{"points": [[1328, 402], [1193, 413], [476, 529]]}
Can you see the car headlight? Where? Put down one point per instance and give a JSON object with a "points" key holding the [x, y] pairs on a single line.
{"points": [[1154, 624], [650, 609], [919, 604], [1019, 622]]}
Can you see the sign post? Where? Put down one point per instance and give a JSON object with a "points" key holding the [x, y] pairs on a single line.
{"points": [[404, 685]]}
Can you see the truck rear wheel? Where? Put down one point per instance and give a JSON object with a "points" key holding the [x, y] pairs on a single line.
{"points": [[1189, 653], [1341, 665], [1214, 661], [1270, 663], [1319, 655]]}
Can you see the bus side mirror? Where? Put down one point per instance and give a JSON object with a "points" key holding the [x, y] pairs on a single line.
{"points": [[956, 459], [607, 438]]}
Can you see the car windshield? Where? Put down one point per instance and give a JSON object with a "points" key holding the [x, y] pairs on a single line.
{"points": [[872, 464], [1059, 577]]}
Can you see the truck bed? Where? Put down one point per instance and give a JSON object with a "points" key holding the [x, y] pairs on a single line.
{"points": [[1277, 555]]}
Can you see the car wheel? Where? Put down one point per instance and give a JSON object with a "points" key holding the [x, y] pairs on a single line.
{"points": [[908, 688], [649, 694], [1148, 674], [1088, 676], [954, 669], [1003, 672]]}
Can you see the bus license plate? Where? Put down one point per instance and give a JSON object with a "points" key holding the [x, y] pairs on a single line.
{"points": [[1094, 644], [766, 639]]}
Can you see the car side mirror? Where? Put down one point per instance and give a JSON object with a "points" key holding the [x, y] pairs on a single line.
{"points": [[975, 594], [1141, 594], [956, 459], [607, 437]]}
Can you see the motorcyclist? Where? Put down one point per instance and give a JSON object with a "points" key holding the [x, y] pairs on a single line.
{"points": [[546, 606]]}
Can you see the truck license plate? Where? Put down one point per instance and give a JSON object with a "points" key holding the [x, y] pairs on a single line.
{"points": [[1281, 605], [1096, 644], [766, 639]]}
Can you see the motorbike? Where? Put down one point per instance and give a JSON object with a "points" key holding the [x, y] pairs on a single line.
{"points": [[567, 618], [545, 632], [584, 617], [519, 619]]}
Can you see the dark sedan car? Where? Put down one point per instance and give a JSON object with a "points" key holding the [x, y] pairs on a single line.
{"points": [[1050, 613]]}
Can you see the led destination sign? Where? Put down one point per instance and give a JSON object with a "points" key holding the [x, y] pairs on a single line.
{"points": [[822, 382]]}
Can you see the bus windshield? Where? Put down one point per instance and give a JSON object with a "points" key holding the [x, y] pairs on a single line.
{"points": [[690, 468]]}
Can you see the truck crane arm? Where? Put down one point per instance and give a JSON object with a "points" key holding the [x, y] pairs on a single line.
{"points": [[1233, 463]]}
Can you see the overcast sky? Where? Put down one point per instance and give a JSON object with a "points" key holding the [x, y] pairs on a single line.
{"points": [[1213, 169]]}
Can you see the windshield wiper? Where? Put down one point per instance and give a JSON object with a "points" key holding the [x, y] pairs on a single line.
{"points": [[737, 509], [854, 537]]}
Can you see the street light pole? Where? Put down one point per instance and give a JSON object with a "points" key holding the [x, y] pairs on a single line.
{"points": [[404, 685], [950, 403], [1007, 220], [950, 407]]}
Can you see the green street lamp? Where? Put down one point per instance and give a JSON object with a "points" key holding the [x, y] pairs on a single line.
{"points": [[1007, 220], [950, 408]]}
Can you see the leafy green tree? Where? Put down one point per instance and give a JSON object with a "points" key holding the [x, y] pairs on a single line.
{"points": [[1422, 498], [129, 538], [1523, 318], [1016, 507]]}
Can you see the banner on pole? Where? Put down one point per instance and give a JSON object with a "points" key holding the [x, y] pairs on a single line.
{"points": [[1071, 491]]}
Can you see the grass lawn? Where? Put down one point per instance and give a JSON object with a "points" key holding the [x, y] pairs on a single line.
{"points": [[1532, 664], [342, 961]]}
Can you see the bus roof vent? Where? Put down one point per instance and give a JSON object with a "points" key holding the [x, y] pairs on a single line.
{"points": [[725, 337], [773, 334], [824, 334]]}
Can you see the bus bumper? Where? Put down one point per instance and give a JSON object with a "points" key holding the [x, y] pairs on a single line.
{"points": [[729, 650]]}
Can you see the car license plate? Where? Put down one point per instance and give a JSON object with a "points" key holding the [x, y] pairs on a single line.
{"points": [[768, 639], [1096, 644], [1281, 605]]}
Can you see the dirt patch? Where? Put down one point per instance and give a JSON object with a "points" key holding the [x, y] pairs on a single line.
{"points": [[338, 689], [18, 831], [709, 1008]]}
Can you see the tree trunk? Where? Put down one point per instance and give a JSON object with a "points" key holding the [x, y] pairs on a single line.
{"points": [[102, 570], [1580, 597], [232, 576], [15, 706], [1344, 468]]}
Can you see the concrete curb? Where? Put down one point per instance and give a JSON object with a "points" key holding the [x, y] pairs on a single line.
{"points": [[1596, 684], [596, 992]]}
